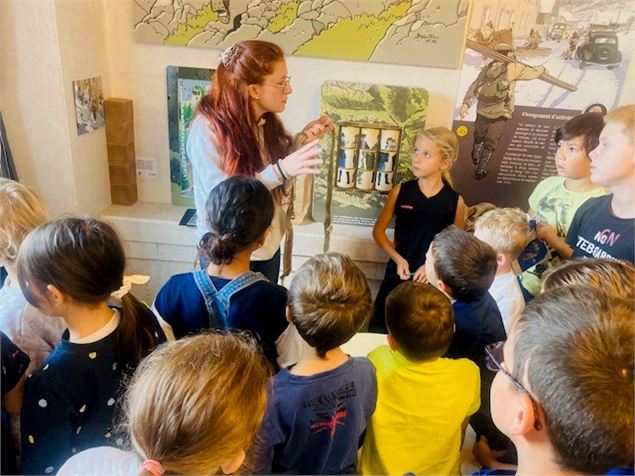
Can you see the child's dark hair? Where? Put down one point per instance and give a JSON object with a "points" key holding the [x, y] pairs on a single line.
{"points": [[329, 300], [574, 344], [238, 212], [465, 264], [588, 125], [84, 259], [421, 320]]}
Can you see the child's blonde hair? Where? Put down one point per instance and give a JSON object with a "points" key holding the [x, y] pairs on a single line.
{"points": [[616, 278], [20, 211], [504, 229], [196, 403], [447, 143], [330, 301], [625, 116]]}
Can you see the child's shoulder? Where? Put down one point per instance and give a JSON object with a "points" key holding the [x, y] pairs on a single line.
{"points": [[548, 185], [264, 292], [463, 367]]}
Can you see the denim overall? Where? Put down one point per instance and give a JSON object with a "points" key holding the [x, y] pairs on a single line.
{"points": [[218, 302]]}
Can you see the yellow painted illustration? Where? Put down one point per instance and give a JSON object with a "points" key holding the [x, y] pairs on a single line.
{"points": [[414, 32]]}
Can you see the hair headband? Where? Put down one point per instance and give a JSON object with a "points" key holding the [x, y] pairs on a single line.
{"points": [[228, 55]]}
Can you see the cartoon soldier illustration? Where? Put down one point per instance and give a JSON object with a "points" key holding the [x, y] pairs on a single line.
{"points": [[493, 92]]}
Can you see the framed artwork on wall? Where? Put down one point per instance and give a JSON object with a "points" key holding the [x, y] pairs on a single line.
{"points": [[186, 87], [370, 151], [412, 32]]}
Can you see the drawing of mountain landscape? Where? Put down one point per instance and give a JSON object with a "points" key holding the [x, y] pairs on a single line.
{"points": [[413, 32]]}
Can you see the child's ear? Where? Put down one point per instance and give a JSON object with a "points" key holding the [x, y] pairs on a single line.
{"points": [[54, 296], [501, 259], [288, 314], [441, 286], [232, 465], [524, 415], [264, 236], [392, 343]]}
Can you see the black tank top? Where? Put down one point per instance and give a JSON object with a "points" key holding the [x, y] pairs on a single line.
{"points": [[418, 218]]}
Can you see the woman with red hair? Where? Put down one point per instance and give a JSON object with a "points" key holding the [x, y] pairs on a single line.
{"points": [[236, 131]]}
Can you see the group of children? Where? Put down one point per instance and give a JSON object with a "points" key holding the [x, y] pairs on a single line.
{"points": [[547, 387]]}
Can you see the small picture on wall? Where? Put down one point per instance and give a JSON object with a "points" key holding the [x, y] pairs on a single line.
{"points": [[89, 104]]}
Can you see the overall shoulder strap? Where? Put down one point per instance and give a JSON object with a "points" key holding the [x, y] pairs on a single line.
{"points": [[239, 283], [208, 291]]}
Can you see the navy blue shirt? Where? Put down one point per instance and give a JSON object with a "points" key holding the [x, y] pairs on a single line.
{"points": [[69, 403], [595, 232], [259, 308], [14, 365], [478, 323], [313, 424]]}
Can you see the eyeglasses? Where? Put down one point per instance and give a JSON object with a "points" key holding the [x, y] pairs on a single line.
{"points": [[282, 84], [494, 362]]}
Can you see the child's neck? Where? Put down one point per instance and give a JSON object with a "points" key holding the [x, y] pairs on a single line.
{"points": [[503, 269], [431, 184], [83, 321], [540, 460], [237, 266], [310, 363], [583, 184], [623, 202]]}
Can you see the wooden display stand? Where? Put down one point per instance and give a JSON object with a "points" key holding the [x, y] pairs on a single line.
{"points": [[121, 153]]}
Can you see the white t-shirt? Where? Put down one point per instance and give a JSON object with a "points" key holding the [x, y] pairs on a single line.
{"points": [[207, 174], [102, 461], [506, 292]]}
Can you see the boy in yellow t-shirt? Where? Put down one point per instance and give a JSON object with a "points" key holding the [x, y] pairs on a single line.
{"points": [[424, 401]]}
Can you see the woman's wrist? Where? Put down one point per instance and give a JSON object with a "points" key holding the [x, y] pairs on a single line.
{"points": [[281, 170]]}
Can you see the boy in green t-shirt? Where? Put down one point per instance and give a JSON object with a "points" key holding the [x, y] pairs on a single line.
{"points": [[424, 401], [555, 200]]}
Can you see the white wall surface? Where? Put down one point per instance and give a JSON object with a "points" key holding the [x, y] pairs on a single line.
{"points": [[44, 46]]}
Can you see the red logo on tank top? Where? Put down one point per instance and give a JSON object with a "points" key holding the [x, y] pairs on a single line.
{"points": [[407, 207]]}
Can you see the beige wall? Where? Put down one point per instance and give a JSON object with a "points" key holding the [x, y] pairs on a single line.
{"points": [[32, 100], [44, 46]]}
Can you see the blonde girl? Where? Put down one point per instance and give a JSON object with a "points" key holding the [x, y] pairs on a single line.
{"points": [[36, 334], [422, 207], [193, 407], [70, 268]]}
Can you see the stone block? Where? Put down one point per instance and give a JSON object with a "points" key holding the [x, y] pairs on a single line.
{"points": [[121, 154], [122, 174], [119, 133], [118, 110], [123, 194]]}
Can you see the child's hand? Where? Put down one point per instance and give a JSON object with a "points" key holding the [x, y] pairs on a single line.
{"points": [[484, 455], [546, 232], [403, 269], [420, 275]]}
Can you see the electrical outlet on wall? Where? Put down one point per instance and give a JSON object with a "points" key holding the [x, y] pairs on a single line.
{"points": [[147, 167]]}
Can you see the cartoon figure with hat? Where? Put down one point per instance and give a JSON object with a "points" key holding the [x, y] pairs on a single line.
{"points": [[493, 92]]}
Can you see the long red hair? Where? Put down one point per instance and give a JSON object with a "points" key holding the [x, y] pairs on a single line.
{"points": [[227, 107]]}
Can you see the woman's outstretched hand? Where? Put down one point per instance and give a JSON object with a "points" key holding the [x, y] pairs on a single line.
{"points": [[303, 161], [316, 129]]}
